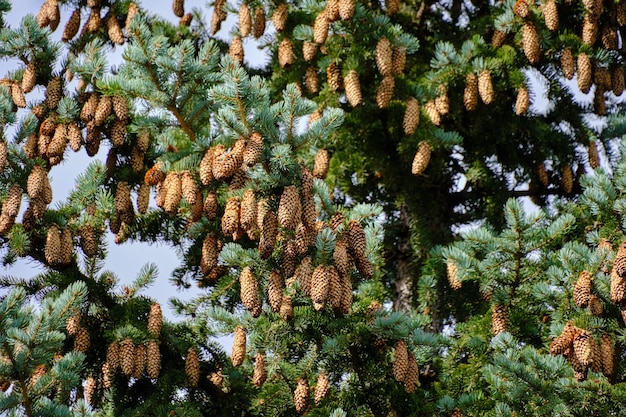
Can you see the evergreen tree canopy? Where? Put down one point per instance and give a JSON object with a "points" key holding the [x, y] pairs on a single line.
{"points": [[351, 211]]}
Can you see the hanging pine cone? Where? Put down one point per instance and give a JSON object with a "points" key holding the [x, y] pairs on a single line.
{"points": [[333, 76], [72, 324], [258, 28], [320, 287], [155, 320], [322, 163], [590, 29], [582, 289], [353, 88], [321, 388], [497, 38], [114, 30], [286, 57], [227, 162], [230, 219], [311, 81], [18, 95], [485, 87], [235, 51], [250, 292], [567, 179], [289, 209], [346, 9], [259, 374], [551, 15], [340, 257], [239, 346], [153, 360], [279, 17], [29, 78], [67, 246], [411, 380], [521, 8], [335, 290], [82, 340], [607, 353], [595, 305], [308, 50], [178, 7], [52, 249], [113, 356], [583, 349], [411, 116], [499, 319], [470, 95], [192, 367], [269, 230], [400, 361], [594, 159], [421, 159], [398, 60], [522, 103], [346, 298], [599, 105], [442, 103], [58, 143], [385, 92], [245, 20], [275, 290], [301, 396], [90, 389], [452, 272], [567, 63], [356, 239], [384, 55], [127, 356], [304, 275], [54, 92], [88, 241], [584, 72], [139, 361], [320, 28]]}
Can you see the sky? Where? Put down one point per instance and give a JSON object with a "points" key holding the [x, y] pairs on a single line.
{"points": [[125, 260]]}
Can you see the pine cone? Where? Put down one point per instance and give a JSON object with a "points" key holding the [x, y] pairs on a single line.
{"points": [[88, 241], [400, 361], [582, 289], [470, 95], [82, 340], [210, 206], [452, 270], [304, 275], [308, 50], [269, 231], [153, 360], [335, 290], [301, 396], [590, 29], [54, 92], [320, 286], [52, 250], [333, 76], [311, 81], [322, 162], [551, 15], [567, 179], [353, 88], [250, 292], [384, 55], [411, 116], [385, 92], [206, 167], [18, 95], [90, 389], [485, 87], [523, 100], [286, 308], [29, 78], [279, 17], [113, 356], [155, 320], [320, 28], [286, 56], [3, 155], [258, 29], [497, 38], [260, 373], [72, 324], [192, 367], [321, 388], [398, 60], [521, 8], [567, 63], [127, 356], [245, 20], [607, 354], [235, 50], [275, 290], [392, 6], [289, 209], [67, 246], [114, 30], [11, 205], [139, 361], [584, 73], [583, 348], [178, 7], [411, 379], [230, 219], [347, 9], [499, 319], [421, 159], [239, 346]]}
